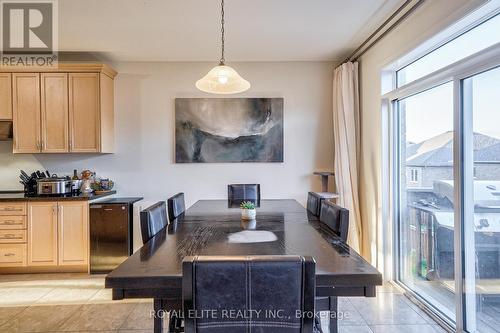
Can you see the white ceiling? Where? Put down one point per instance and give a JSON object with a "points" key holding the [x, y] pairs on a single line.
{"points": [[189, 30]]}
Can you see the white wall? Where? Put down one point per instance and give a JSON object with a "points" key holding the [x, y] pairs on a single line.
{"points": [[429, 19], [144, 165]]}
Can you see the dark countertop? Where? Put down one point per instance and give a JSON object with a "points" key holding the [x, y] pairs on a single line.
{"points": [[20, 196], [124, 200]]}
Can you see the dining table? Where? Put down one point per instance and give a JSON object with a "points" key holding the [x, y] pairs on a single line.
{"points": [[215, 228]]}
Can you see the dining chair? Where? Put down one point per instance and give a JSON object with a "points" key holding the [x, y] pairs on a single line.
{"points": [[153, 220], [241, 192], [176, 206], [276, 294], [314, 201], [336, 218]]}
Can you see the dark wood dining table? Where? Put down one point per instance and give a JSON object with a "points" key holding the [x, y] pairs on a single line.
{"points": [[214, 227]]}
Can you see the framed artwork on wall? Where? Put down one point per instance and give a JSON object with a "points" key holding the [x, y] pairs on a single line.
{"points": [[228, 130]]}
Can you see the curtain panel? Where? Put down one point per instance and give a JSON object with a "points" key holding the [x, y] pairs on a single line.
{"points": [[347, 145]]}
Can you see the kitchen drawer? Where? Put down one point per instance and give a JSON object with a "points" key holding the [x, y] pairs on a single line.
{"points": [[12, 208], [12, 222], [12, 255], [12, 236]]}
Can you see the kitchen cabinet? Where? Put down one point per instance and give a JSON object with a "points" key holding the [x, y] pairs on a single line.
{"points": [[73, 233], [91, 113], [65, 110], [54, 112], [5, 96], [13, 236], [26, 112], [42, 238]]}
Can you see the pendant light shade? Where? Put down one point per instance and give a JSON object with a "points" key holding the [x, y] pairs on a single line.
{"points": [[222, 79]]}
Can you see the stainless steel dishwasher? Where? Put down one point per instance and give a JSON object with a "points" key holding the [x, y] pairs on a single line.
{"points": [[111, 233]]}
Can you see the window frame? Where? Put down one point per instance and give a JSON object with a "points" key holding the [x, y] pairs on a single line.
{"points": [[457, 72]]}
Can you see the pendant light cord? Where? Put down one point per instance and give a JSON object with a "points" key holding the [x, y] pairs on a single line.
{"points": [[222, 59]]}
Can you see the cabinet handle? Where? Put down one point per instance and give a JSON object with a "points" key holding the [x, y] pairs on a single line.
{"points": [[9, 254], [10, 236], [9, 222], [11, 209]]}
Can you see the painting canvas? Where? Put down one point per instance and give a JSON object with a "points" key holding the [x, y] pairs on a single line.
{"points": [[221, 130]]}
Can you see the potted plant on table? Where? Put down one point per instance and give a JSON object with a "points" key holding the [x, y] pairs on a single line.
{"points": [[248, 211]]}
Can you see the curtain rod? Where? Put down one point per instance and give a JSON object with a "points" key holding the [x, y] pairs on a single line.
{"points": [[382, 26]]}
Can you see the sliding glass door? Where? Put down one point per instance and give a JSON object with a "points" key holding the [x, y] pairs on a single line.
{"points": [[426, 214], [446, 171], [443, 163], [481, 223]]}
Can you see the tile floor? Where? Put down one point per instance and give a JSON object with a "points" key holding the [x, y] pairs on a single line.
{"points": [[79, 303]]}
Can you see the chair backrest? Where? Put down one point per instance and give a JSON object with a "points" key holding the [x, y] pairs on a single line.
{"points": [[176, 206], [239, 192], [336, 218], [270, 290], [314, 203], [153, 219]]}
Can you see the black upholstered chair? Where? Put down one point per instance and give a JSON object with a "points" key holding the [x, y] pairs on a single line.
{"points": [[273, 287], [314, 201], [242, 192], [336, 218], [176, 206], [153, 220]]}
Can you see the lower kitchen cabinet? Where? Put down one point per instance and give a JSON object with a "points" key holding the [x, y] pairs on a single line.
{"points": [[51, 236], [73, 233], [42, 239]]}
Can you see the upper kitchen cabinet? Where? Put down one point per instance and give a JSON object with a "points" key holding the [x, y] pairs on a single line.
{"points": [[5, 96], [26, 112], [90, 113], [69, 109], [54, 130]]}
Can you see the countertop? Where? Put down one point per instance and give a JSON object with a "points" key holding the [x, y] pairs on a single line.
{"points": [[120, 200], [20, 196]]}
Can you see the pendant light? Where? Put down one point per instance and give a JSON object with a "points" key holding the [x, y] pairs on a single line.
{"points": [[222, 79]]}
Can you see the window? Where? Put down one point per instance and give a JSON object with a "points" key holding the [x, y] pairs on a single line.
{"points": [[475, 40], [414, 175], [445, 170]]}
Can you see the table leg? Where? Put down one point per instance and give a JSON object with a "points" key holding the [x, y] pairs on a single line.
{"points": [[324, 183], [333, 314], [159, 313]]}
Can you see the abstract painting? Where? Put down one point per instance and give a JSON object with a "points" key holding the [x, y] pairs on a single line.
{"points": [[221, 130]]}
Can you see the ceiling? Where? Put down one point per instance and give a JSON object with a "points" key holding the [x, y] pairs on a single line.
{"points": [[189, 30]]}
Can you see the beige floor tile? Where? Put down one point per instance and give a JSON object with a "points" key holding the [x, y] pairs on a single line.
{"points": [[139, 318], [387, 309], [98, 317], [63, 295], [354, 329], [22, 295], [348, 315], [40, 318], [406, 329], [7, 313]]}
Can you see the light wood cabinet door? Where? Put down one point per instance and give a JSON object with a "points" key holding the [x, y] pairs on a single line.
{"points": [[26, 112], [5, 96], [54, 112], [84, 112], [42, 233], [73, 233]]}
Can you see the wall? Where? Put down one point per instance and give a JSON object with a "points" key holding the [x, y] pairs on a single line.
{"points": [[430, 18], [144, 121]]}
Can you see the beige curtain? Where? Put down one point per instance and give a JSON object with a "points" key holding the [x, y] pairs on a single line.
{"points": [[347, 142]]}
